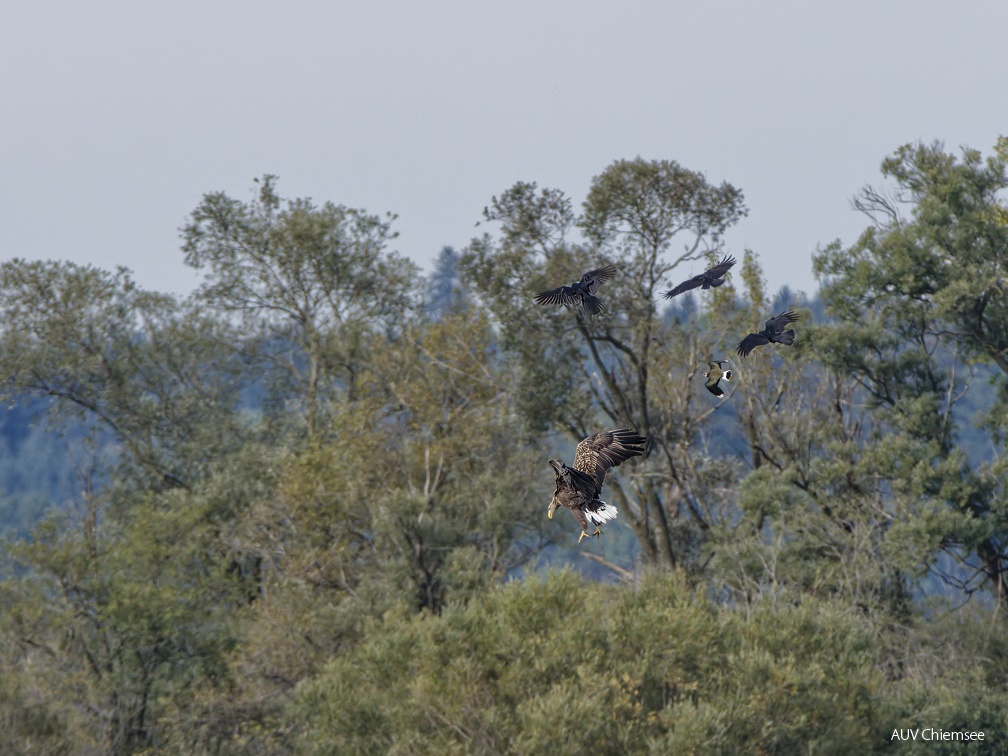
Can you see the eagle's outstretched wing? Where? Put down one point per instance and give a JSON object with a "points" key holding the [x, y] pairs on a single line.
{"points": [[596, 454]]}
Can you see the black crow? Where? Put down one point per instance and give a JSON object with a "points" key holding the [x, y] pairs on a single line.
{"points": [[774, 333], [710, 278], [580, 293]]}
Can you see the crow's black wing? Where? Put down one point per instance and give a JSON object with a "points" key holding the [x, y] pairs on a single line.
{"points": [[721, 268], [593, 278], [776, 324], [750, 342], [564, 295], [684, 286]]}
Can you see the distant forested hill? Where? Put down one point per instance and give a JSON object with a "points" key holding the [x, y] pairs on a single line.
{"points": [[38, 465]]}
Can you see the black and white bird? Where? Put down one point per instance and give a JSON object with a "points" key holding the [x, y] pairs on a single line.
{"points": [[578, 487], [709, 279], [580, 294], [774, 333], [714, 375]]}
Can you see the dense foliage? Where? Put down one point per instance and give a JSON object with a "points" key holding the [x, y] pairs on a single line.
{"points": [[303, 510], [560, 665]]}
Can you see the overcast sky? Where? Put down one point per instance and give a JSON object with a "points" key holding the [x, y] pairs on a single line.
{"points": [[115, 118]]}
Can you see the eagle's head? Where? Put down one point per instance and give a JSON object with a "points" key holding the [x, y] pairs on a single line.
{"points": [[558, 468]]}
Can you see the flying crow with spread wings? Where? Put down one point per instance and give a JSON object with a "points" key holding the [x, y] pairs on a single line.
{"points": [[710, 278], [774, 333], [714, 375], [580, 294], [578, 487]]}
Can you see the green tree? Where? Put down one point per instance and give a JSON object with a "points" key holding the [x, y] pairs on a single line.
{"points": [[125, 603], [445, 292], [121, 621], [421, 497], [919, 302], [557, 664], [631, 368], [316, 284], [424, 487], [157, 376], [207, 526]]}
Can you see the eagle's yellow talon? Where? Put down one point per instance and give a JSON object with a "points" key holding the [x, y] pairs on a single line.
{"points": [[583, 534]]}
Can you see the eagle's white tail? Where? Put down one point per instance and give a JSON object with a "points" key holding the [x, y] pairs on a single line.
{"points": [[604, 513], [727, 375]]}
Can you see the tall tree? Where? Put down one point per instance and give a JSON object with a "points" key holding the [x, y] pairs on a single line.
{"points": [[630, 368], [316, 282], [445, 293], [126, 602], [919, 302], [157, 376], [117, 623]]}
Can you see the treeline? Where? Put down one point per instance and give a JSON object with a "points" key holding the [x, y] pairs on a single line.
{"points": [[305, 491]]}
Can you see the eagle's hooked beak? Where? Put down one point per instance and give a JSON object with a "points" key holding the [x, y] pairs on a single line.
{"points": [[557, 466]]}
